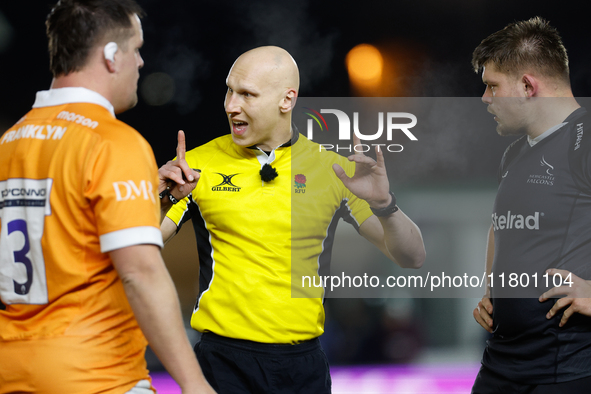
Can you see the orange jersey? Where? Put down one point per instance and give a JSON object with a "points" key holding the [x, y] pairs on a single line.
{"points": [[75, 183]]}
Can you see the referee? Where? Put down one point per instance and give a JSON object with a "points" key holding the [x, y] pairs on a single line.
{"points": [[541, 217], [252, 228]]}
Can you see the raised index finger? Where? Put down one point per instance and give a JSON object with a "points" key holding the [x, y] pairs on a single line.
{"points": [[180, 147], [180, 158]]}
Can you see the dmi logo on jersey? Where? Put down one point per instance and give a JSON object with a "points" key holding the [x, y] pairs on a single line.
{"points": [[128, 190], [345, 129], [226, 185], [519, 222], [547, 178]]}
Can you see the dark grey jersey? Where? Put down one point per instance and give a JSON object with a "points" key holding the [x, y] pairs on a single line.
{"points": [[541, 220]]}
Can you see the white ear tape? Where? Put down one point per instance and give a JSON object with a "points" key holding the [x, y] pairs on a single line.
{"points": [[110, 50]]}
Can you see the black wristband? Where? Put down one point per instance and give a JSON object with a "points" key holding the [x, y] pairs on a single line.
{"points": [[390, 209], [172, 198], [163, 194], [166, 193]]}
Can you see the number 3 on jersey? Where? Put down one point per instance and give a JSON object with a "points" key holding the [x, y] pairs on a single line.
{"points": [[24, 203]]}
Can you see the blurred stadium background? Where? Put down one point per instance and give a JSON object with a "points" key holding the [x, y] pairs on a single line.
{"points": [[343, 48]]}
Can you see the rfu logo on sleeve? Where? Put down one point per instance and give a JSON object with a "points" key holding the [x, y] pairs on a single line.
{"points": [[128, 190]]}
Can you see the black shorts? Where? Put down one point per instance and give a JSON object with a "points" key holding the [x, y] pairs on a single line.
{"points": [[235, 366], [488, 382]]}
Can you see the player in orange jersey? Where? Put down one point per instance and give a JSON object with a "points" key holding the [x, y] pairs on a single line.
{"points": [[80, 264]]}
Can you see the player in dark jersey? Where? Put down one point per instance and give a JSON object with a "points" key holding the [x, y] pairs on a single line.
{"points": [[541, 217]]}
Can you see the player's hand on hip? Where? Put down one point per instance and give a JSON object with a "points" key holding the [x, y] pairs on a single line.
{"points": [[577, 296], [483, 314], [176, 174], [370, 181]]}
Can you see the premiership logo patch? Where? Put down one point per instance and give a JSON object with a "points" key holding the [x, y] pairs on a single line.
{"points": [[226, 185]]}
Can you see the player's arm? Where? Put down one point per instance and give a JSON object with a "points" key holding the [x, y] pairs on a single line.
{"points": [[398, 237], [483, 312], [153, 298], [168, 229], [176, 178], [575, 292]]}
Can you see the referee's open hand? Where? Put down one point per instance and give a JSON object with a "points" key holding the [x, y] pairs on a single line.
{"points": [[370, 181]]}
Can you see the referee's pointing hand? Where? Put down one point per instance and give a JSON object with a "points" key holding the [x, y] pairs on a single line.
{"points": [[176, 174]]}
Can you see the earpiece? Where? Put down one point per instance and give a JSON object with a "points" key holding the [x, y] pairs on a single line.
{"points": [[110, 50]]}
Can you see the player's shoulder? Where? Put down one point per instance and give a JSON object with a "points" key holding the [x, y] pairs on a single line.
{"points": [[513, 149], [119, 140], [97, 119], [515, 145], [579, 148], [580, 125], [84, 120], [116, 132]]}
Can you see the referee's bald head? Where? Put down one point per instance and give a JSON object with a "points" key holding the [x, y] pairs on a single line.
{"points": [[273, 64], [262, 90]]}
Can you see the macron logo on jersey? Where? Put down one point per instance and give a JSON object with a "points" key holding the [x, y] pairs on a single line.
{"points": [[509, 221], [72, 117], [128, 190]]}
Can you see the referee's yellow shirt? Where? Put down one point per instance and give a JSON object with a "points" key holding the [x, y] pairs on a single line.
{"points": [[250, 233]]}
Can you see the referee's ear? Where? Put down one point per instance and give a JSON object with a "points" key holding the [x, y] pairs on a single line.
{"points": [[288, 101]]}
